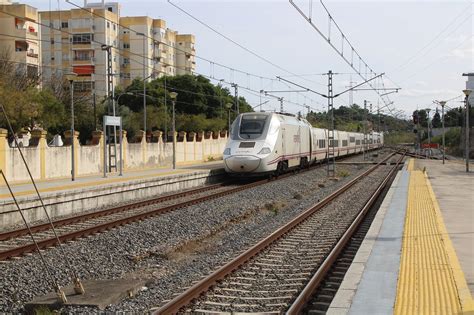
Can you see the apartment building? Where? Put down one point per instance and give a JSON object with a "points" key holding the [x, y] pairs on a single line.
{"points": [[77, 40], [20, 36], [152, 50]]}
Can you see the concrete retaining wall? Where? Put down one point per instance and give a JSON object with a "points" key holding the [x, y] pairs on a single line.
{"points": [[55, 162], [98, 197]]}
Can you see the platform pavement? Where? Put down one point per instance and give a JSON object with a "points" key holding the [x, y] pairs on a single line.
{"points": [[417, 257], [66, 184]]}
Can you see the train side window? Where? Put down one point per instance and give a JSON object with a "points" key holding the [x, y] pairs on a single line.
{"points": [[322, 143], [352, 139], [357, 142]]}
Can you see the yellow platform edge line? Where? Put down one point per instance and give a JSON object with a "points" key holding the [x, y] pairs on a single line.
{"points": [[426, 283], [411, 164], [464, 294]]}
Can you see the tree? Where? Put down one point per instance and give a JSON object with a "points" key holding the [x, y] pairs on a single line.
{"points": [[436, 122]]}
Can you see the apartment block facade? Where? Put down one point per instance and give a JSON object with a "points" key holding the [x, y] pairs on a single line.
{"points": [[20, 38], [153, 50], [73, 40]]}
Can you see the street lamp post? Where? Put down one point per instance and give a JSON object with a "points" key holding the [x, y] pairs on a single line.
{"points": [[70, 77], [467, 93], [173, 96], [442, 103], [428, 153], [228, 106]]}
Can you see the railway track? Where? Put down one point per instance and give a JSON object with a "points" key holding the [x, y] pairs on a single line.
{"points": [[277, 274], [18, 242]]}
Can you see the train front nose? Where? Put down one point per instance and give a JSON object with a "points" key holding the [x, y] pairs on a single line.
{"points": [[242, 163]]}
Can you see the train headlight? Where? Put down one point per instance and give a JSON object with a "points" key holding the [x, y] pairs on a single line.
{"points": [[265, 150], [227, 151]]}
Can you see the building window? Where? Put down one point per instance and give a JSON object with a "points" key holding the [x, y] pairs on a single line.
{"points": [[83, 54], [109, 9], [108, 24], [126, 61], [126, 45], [82, 38], [114, 27], [64, 25], [52, 41], [83, 86]]}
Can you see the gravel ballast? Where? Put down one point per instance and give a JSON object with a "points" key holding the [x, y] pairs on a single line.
{"points": [[175, 249]]}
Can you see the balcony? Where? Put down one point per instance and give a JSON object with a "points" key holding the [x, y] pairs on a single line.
{"points": [[32, 54], [83, 61]]}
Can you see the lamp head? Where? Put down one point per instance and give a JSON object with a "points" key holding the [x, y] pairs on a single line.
{"points": [[467, 92], [442, 103], [173, 95]]}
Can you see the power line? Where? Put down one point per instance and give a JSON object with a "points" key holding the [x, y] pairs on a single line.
{"points": [[118, 50], [211, 62], [410, 59], [353, 58], [230, 39]]}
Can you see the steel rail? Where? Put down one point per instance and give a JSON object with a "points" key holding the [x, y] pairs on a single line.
{"points": [[43, 227], [305, 295], [112, 224], [93, 215], [180, 301]]}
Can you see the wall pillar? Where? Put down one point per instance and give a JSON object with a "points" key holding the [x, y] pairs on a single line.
{"points": [[182, 135], [3, 151], [68, 140], [192, 135], [98, 139], [124, 149], [157, 136], [142, 135], [39, 136]]}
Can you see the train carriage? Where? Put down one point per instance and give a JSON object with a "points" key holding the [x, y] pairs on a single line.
{"points": [[262, 143]]}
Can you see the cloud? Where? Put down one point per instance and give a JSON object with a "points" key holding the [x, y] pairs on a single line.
{"points": [[461, 53], [427, 92]]}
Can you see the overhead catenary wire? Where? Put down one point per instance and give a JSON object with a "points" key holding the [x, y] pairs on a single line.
{"points": [[131, 53], [355, 61], [415, 55], [212, 63]]}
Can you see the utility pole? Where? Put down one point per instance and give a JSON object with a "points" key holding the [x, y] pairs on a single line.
{"points": [[364, 148], [428, 153], [467, 92], [331, 143], [111, 108], [378, 116], [236, 92], [442, 103]]}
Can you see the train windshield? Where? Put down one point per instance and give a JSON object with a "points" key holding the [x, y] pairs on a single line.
{"points": [[251, 126]]}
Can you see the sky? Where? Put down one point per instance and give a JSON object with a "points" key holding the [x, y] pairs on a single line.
{"points": [[423, 47]]}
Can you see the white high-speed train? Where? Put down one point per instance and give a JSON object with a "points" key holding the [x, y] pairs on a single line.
{"points": [[262, 143]]}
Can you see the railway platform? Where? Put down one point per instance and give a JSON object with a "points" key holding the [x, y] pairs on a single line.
{"points": [[418, 256], [63, 196]]}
